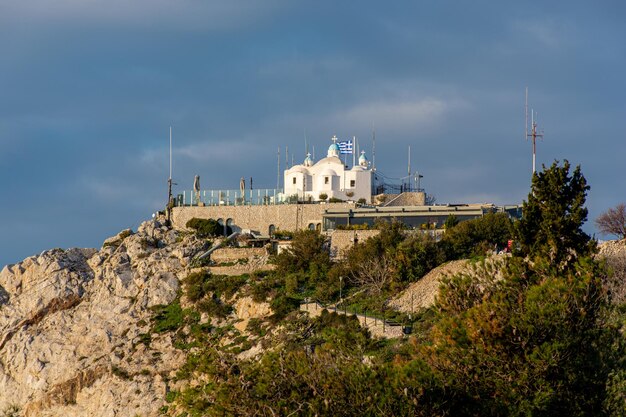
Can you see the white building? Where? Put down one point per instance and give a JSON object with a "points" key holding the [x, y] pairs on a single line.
{"points": [[331, 177]]}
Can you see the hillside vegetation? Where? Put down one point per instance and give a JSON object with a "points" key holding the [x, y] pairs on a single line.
{"points": [[536, 332]]}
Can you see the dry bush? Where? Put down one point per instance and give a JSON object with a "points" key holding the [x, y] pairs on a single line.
{"points": [[613, 221], [374, 273]]}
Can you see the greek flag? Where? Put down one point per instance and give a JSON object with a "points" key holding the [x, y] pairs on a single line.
{"points": [[345, 147]]}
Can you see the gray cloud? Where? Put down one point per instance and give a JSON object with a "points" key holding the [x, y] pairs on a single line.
{"points": [[188, 14], [90, 89]]}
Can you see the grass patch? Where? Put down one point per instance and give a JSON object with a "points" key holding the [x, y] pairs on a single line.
{"points": [[167, 318]]}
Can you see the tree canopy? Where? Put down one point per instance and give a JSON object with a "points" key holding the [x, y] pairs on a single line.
{"points": [[551, 225]]}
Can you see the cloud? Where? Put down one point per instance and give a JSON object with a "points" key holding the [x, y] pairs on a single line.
{"points": [[219, 152], [545, 33], [416, 114], [214, 15]]}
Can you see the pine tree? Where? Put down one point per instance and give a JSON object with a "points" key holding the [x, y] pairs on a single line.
{"points": [[551, 224]]}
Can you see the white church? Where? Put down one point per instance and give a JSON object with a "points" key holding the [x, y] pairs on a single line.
{"points": [[331, 177]]}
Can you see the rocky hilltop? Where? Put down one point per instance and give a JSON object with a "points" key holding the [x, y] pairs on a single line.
{"points": [[71, 322], [74, 323]]}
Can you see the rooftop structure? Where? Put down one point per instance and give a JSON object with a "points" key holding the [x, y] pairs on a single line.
{"points": [[329, 177]]}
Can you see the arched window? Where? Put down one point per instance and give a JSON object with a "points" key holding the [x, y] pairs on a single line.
{"points": [[311, 226], [318, 227], [272, 230]]}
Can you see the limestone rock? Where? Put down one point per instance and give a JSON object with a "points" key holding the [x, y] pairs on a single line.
{"points": [[71, 320], [246, 309]]}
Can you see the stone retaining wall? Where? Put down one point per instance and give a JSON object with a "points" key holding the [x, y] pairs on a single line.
{"points": [[288, 217], [342, 240], [233, 254]]}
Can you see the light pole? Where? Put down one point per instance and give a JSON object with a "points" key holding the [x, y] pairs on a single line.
{"points": [[340, 287]]}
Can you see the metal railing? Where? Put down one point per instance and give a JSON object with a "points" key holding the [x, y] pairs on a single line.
{"points": [[258, 197]]}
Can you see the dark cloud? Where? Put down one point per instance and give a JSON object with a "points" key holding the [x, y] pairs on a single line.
{"points": [[90, 89]]}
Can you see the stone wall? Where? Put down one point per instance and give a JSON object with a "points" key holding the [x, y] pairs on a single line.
{"points": [[256, 259], [406, 199], [289, 217], [234, 254], [342, 240]]}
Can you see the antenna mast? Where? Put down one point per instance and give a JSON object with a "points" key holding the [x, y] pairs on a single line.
{"points": [[534, 134], [409, 169], [373, 148], [278, 170], [169, 186]]}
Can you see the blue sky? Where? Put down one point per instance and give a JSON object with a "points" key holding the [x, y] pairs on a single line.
{"points": [[90, 88]]}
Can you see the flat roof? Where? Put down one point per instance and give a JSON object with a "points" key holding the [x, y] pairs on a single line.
{"points": [[403, 211]]}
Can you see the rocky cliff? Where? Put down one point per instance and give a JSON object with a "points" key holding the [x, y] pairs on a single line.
{"points": [[71, 322]]}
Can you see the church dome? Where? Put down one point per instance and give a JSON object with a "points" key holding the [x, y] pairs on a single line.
{"points": [[363, 159], [333, 150]]}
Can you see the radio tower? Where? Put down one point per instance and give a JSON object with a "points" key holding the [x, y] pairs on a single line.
{"points": [[534, 134]]}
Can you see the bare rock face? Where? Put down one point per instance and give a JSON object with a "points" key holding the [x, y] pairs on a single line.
{"points": [[71, 320], [246, 308]]}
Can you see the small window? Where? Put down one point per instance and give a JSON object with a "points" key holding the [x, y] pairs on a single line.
{"points": [[325, 180], [352, 183], [311, 226]]}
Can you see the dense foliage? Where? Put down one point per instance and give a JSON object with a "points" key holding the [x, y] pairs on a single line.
{"points": [[553, 217], [532, 334], [475, 237]]}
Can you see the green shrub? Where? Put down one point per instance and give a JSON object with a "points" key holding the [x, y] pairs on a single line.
{"points": [[255, 327], [167, 318], [196, 285], [307, 249], [205, 227], [283, 235], [283, 305], [450, 222], [120, 372], [474, 237], [214, 307], [416, 256]]}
